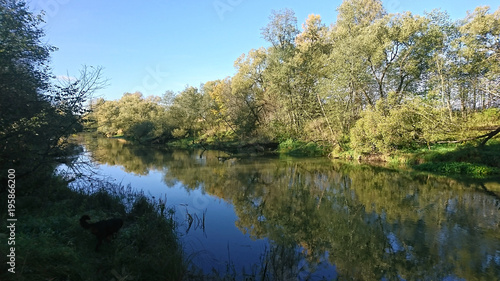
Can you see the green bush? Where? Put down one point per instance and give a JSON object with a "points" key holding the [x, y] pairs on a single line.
{"points": [[295, 147], [391, 126]]}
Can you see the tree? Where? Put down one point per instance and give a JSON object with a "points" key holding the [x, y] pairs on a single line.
{"points": [[36, 116], [282, 29], [143, 119], [222, 107], [22, 76], [187, 113], [280, 73], [249, 89], [480, 37], [349, 56]]}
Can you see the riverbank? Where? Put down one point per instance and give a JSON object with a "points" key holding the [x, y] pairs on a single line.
{"points": [[51, 245], [454, 159]]}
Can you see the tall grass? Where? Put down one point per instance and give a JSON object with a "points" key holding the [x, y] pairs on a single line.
{"points": [[469, 159], [51, 245]]}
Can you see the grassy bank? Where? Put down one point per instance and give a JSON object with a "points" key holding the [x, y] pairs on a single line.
{"points": [[51, 245], [466, 159]]}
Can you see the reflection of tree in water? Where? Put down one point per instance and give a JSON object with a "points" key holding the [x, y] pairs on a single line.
{"points": [[134, 159], [369, 222]]}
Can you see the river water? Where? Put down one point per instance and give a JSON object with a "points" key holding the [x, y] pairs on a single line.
{"points": [[313, 218]]}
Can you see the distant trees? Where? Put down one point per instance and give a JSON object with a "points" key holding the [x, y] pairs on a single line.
{"points": [[132, 115], [372, 81]]}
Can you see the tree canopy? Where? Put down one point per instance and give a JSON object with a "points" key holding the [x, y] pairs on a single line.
{"points": [[37, 114], [371, 81]]}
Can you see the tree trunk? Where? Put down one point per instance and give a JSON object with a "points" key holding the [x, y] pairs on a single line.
{"points": [[489, 136]]}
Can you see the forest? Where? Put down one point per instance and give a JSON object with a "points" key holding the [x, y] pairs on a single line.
{"points": [[371, 82]]}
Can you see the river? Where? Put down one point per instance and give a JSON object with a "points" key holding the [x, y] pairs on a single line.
{"points": [[313, 218]]}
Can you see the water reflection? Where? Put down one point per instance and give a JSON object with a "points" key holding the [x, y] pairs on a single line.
{"points": [[316, 219]]}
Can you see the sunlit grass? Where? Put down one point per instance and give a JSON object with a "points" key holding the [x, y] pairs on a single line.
{"points": [[300, 148], [458, 168], [468, 159]]}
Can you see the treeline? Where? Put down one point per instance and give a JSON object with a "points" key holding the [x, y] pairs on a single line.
{"points": [[371, 81]]}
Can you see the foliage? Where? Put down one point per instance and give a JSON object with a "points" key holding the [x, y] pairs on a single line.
{"points": [[488, 155], [133, 116], [37, 115], [292, 147], [390, 126], [371, 81], [52, 245]]}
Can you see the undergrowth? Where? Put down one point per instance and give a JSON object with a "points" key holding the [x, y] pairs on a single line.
{"points": [[300, 148], [469, 159], [51, 245]]}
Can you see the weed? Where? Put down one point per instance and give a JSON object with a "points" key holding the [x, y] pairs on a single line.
{"points": [[51, 245]]}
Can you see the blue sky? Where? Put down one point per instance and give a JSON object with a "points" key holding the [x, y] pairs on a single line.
{"points": [[159, 45]]}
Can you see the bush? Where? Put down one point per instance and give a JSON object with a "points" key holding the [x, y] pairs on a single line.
{"points": [[391, 126], [295, 147]]}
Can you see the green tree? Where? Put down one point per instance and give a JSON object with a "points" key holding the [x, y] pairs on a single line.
{"points": [[313, 49], [249, 89], [480, 34], [280, 72], [221, 106], [134, 116], [23, 76], [36, 116], [187, 112]]}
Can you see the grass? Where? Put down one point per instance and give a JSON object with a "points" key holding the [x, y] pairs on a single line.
{"points": [[300, 148], [51, 245], [458, 168], [466, 160], [456, 160]]}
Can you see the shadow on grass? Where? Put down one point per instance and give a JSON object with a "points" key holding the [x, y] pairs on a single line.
{"points": [[469, 160], [51, 245]]}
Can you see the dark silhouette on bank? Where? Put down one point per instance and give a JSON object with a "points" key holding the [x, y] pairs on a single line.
{"points": [[104, 229]]}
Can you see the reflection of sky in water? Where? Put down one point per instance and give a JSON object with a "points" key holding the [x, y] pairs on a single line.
{"points": [[221, 242], [367, 220]]}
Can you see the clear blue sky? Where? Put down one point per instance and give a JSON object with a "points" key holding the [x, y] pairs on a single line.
{"points": [[159, 45]]}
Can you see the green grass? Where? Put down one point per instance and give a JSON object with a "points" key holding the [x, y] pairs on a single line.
{"points": [[469, 159], [300, 148], [51, 245], [458, 168]]}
